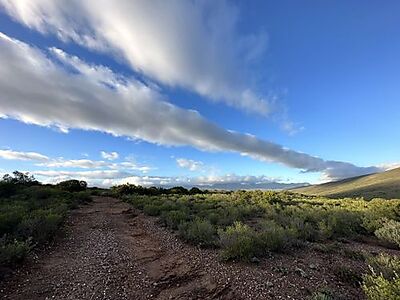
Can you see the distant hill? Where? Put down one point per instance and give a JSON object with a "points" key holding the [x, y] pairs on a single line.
{"points": [[254, 186], [378, 185]]}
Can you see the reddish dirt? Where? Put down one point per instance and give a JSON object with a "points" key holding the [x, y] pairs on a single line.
{"points": [[110, 251]]}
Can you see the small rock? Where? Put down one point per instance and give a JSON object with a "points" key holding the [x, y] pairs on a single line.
{"points": [[312, 266], [269, 284], [301, 272], [255, 260]]}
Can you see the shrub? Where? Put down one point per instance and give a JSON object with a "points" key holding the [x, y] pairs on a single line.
{"points": [[273, 237], [14, 252], [10, 217], [40, 225], [31, 213], [72, 185], [7, 189], [200, 232], [82, 197], [386, 265], [383, 283], [303, 230], [327, 248], [173, 218], [377, 287], [151, 209], [354, 254], [390, 232], [238, 242], [323, 294]]}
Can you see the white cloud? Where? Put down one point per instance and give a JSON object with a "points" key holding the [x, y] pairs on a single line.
{"points": [[109, 178], [190, 164], [190, 44], [27, 156], [94, 164], [105, 102], [389, 166], [45, 161], [109, 155]]}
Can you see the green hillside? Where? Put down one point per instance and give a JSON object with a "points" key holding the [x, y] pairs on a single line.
{"points": [[378, 185]]}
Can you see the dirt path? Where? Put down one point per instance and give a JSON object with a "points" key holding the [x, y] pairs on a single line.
{"points": [[107, 253], [110, 251]]}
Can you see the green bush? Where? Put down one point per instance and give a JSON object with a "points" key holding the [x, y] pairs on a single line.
{"points": [[174, 218], [238, 242], [200, 232], [10, 217], [390, 232], [14, 252], [273, 237], [303, 229], [31, 213], [152, 209], [83, 197], [377, 287], [7, 189], [383, 282], [40, 225], [386, 265], [278, 220], [323, 294], [72, 185]]}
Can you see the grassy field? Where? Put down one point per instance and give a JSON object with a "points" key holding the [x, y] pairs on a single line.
{"points": [[380, 185], [248, 225]]}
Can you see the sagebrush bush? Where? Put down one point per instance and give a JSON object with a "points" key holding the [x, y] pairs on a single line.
{"points": [[390, 231], [152, 209], [41, 225], [377, 287], [7, 189], [273, 237], [238, 242], [386, 265], [173, 218], [323, 294], [200, 232], [72, 185], [276, 221], [13, 252], [383, 282], [10, 217]]}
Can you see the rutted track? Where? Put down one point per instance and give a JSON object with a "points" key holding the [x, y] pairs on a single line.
{"points": [[107, 253]]}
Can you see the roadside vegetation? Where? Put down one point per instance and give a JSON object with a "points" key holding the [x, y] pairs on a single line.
{"points": [[31, 213], [249, 225]]}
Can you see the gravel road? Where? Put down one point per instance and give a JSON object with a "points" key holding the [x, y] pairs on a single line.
{"points": [[107, 253]]}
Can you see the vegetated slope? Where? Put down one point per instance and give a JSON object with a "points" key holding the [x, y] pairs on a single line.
{"points": [[378, 185]]}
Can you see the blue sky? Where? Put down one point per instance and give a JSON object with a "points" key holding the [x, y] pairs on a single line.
{"points": [[199, 92]]}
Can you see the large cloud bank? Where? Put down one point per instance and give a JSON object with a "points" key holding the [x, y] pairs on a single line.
{"points": [[39, 88], [189, 44]]}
